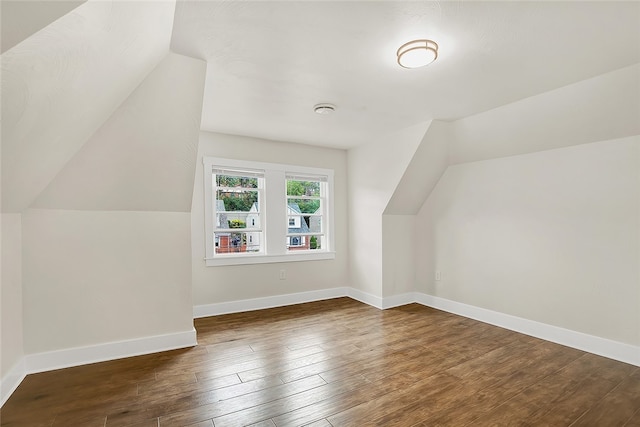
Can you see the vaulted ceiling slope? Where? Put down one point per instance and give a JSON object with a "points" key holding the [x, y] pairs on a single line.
{"points": [[62, 83], [270, 62], [77, 77], [602, 108], [20, 19], [143, 158]]}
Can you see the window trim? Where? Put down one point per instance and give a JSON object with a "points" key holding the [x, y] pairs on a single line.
{"points": [[274, 226]]}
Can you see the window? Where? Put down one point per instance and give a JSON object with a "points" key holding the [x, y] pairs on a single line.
{"points": [[305, 209], [266, 212], [237, 209]]}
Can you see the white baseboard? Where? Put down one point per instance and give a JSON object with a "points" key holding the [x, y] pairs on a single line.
{"points": [[66, 358], [601, 346], [381, 303], [12, 380], [40, 362], [365, 297], [398, 300], [47, 361], [266, 302]]}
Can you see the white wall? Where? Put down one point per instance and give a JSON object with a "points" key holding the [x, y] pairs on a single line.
{"points": [[106, 251], [428, 163], [98, 277], [552, 236], [213, 285], [398, 260], [375, 170], [11, 294]]}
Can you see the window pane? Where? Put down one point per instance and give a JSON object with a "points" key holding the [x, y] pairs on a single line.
{"points": [[315, 223], [303, 188], [236, 181], [238, 220], [304, 243], [237, 201], [304, 224], [304, 206], [237, 242]]}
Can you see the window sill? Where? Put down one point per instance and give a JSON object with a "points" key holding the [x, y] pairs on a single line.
{"points": [[266, 259]]}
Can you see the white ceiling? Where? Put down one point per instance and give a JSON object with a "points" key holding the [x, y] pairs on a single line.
{"points": [[269, 62]]}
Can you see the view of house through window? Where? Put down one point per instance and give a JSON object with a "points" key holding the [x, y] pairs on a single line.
{"points": [[305, 204], [237, 211]]}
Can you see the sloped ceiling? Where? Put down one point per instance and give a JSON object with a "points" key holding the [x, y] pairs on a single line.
{"points": [[270, 62], [20, 19], [70, 69], [597, 109], [143, 158], [60, 84], [602, 108]]}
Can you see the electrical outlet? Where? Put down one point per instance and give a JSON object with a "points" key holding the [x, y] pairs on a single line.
{"points": [[283, 274], [438, 275]]}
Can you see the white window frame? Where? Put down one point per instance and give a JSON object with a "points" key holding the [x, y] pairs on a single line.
{"points": [[274, 214], [304, 237], [249, 229]]}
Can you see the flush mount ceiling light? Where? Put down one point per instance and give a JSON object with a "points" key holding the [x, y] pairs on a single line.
{"points": [[417, 53], [324, 108]]}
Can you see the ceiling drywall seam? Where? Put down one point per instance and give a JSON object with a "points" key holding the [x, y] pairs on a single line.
{"points": [[60, 84]]}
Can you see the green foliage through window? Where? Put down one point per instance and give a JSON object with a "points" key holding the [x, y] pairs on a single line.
{"points": [[236, 181], [303, 188], [237, 201], [238, 193], [306, 189]]}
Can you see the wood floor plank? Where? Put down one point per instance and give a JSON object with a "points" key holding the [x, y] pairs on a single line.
{"points": [[240, 403], [265, 423], [473, 377], [634, 421], [154, 388], [502, 385], [319, 423], [318, 411], [207, 423], [338, 363], [562, 398], [369, 412], [188, 400], [296, 359], [616, 408], [290, 403]]}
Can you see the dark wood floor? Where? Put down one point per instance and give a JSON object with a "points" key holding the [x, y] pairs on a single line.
{"points": [[339, 363]]}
